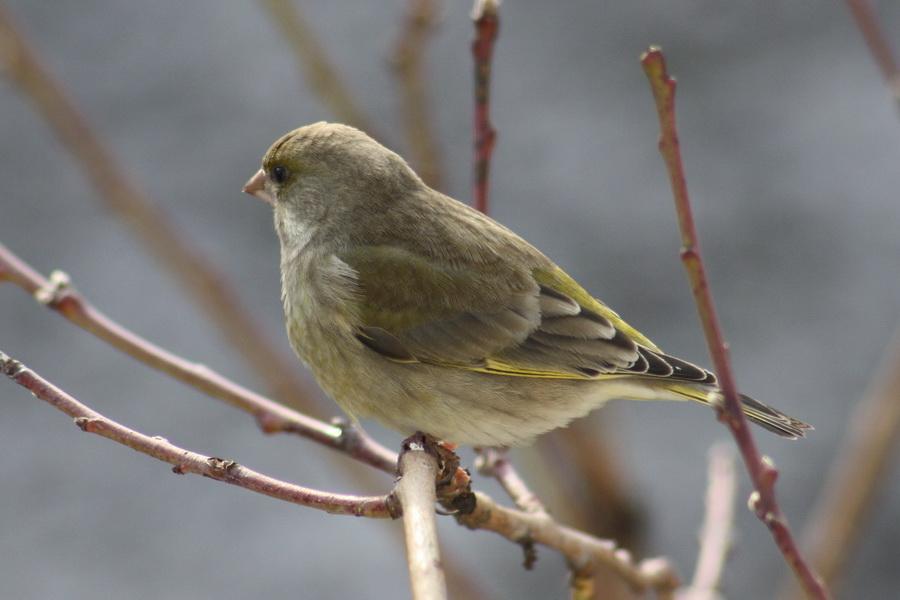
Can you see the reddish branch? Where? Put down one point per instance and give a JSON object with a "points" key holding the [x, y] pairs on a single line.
{"points": [[761, 469], [376, 507], [487, 25]]}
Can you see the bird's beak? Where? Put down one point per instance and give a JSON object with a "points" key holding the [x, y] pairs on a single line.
{"points": [[257, 187]]}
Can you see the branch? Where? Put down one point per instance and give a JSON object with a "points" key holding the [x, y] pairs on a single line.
{"points": [[375, 507], [417, 495], [492, 462], [409, 67], [583, 552], [716, 532], [146, 219], [860, 472], [878, 44], [59, 295], [762, 471], [310, 53], [487, 25]]}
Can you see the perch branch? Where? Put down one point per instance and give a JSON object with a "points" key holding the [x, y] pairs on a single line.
{"points": [[417, 495]]}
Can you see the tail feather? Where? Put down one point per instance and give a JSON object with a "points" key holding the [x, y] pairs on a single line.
{"points": [[763, 415], [773, 420]]}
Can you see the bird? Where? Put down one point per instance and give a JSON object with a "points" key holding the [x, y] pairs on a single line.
{"points": [[420, 312]]}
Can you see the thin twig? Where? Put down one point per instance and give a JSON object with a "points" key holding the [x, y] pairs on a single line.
{"points": [[416, 492], [375, 507], [878, 44], [205, 284], [408, 62], [717, 531], [762, 471], [487, 25], [492, 462], [583, 551], [858, 476], [312, 57], [59, 294]]}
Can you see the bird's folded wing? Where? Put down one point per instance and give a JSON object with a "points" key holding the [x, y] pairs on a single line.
{"points": [[507, 323]]}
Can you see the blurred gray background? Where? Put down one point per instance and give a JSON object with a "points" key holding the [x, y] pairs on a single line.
{"points": [[791, 146]]}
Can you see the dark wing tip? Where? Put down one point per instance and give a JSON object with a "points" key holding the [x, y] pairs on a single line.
{"points": [[382, 342]]}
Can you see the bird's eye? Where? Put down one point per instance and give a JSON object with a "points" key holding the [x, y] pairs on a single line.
{"points": [[280, 174]]}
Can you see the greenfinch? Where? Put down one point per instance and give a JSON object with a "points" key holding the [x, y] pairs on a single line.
{"points": [[424, 314]]}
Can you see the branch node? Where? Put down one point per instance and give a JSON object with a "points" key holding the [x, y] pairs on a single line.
{"points": [[753, 503], [58, 284], [221, 465], [350, 437], [11, 367], [769, 472]]}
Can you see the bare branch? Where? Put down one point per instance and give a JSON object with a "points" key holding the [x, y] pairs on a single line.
{"points": [[416, 492], [375, 507], [583, 552], [59, 294], [761, 469], [487, 26], [311, 55], [146, 219], [409, 65], [492, 462]]}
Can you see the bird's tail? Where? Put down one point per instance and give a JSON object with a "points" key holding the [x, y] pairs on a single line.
{"points": [[775, 421], [763, 415]]}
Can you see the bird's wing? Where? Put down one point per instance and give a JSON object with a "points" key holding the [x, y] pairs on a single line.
{"points": [[537, 323], [438, 313]]}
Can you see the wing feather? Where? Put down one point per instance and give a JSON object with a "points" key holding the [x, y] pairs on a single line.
{"points": [[512, 324]]}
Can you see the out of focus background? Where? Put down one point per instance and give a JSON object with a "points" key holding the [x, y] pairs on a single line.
{"points": [[791, 145]]}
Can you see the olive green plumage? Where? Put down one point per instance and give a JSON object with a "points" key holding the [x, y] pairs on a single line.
{"points": [[424, 314]]}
